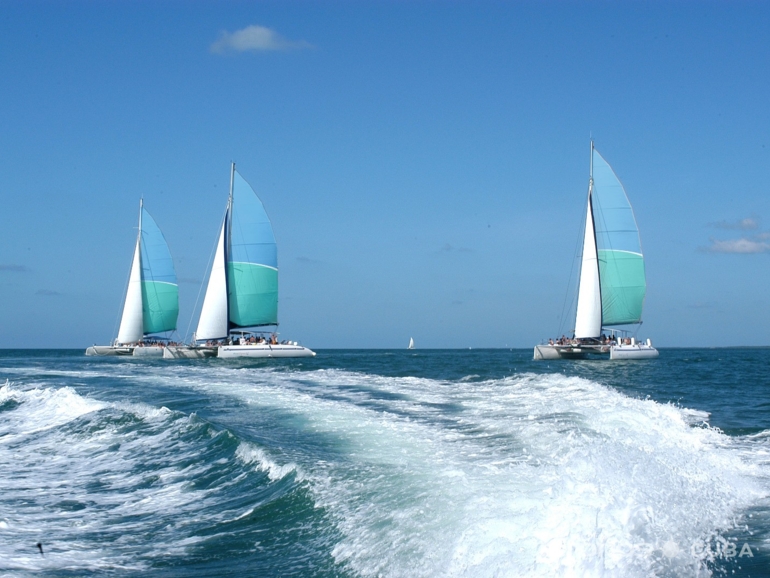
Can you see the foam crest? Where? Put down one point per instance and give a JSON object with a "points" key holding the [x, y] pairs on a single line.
{"points": [[250, 454], [538, 475], [108, 486], [42, 408]]}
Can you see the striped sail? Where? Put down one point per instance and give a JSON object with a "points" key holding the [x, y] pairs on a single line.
{"points": [[621, 264], [252, 260], [152, 297], [160, 292]]}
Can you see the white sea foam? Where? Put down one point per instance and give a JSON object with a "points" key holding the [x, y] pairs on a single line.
{"points": [[44, 408], [104, 486], [248, 453], [530, 475]]}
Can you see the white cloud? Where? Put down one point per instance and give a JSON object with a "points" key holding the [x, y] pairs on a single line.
{"points": [[255, 38], [742, 245], [747, 224], [447, 248], [14, 268]]}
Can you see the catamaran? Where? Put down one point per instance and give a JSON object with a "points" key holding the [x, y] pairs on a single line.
{"points": [[612, 282], [242, 292], [151, 305]]}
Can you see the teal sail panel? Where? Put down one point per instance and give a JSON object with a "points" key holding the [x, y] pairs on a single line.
{"points": [[252, 264], [160, 292], [621, 264]]}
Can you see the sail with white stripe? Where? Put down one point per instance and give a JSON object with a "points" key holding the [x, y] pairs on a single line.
{"points": [[152, 297], [612, 279]]}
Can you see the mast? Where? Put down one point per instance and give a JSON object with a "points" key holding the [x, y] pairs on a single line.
{"points": [[131, 327], [139, 253], [588, 316], [227, 249], [598, 269]]}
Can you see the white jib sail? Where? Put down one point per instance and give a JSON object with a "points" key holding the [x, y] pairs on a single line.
{"points": [[131, 324], [213, 320], [588, 321]]}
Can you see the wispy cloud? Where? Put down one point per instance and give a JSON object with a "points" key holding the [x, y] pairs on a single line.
{"points": [[447, 248], [255, 38], [758, 242], [308, 261], [47, 292], [743, 245], [748, 224], [14, 268]]}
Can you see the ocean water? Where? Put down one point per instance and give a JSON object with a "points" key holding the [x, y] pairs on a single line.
{"points": [[386, 463]]}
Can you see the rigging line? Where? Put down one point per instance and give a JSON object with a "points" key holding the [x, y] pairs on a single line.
{"points": [[576, 254], [125, 293], [208, 268]]}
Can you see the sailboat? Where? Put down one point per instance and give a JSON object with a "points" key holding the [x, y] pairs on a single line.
{"points": [[151, 305], [242, 291], [411, 343], [612, 280]]}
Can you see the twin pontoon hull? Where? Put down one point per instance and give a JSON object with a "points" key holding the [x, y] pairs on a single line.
{"points": [[124, 350], [107, 350], [263, 351], [613, 352], [184, 352], [148, 351], [636, 351]]}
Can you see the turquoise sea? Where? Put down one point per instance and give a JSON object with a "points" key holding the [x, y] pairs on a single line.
{"points": [[386, 463]]}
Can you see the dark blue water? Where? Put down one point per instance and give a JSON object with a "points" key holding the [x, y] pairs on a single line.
{"points": [[386, 463]]}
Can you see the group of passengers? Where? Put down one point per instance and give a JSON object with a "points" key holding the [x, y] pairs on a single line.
{"points": [[603, 340], [247, 340], [153, 343]]}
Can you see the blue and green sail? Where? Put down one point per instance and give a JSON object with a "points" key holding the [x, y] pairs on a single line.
{"points": [[252, 260], [160, 292], [621, 264]]}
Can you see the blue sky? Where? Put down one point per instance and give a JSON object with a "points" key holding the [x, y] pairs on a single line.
{"points": [[424, 164]]}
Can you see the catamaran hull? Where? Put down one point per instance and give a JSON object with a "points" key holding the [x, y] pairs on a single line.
{"points": [[148, 351], [637, 351], [263, 351], [614, 352], [107, 350], [571, 352], [177, 352]]}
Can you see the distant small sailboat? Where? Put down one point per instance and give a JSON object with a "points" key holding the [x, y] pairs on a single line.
{"points": [[242, 290], [612, 282], [151, 305], [411, 343]]}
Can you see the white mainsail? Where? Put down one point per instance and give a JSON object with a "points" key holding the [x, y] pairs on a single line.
{"points": [[213, 320], [588, 320], [131, 323]]}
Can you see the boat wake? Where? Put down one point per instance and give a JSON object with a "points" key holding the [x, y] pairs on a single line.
{"points": [[541, 475], [334, 472], [121, 486]]}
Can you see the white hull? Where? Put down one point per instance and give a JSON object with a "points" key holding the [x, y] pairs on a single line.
{"points": [[148, 351], [263, 350], [105, 350], [571, 351], [636, 351], [184, 352], [613, 352]]}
